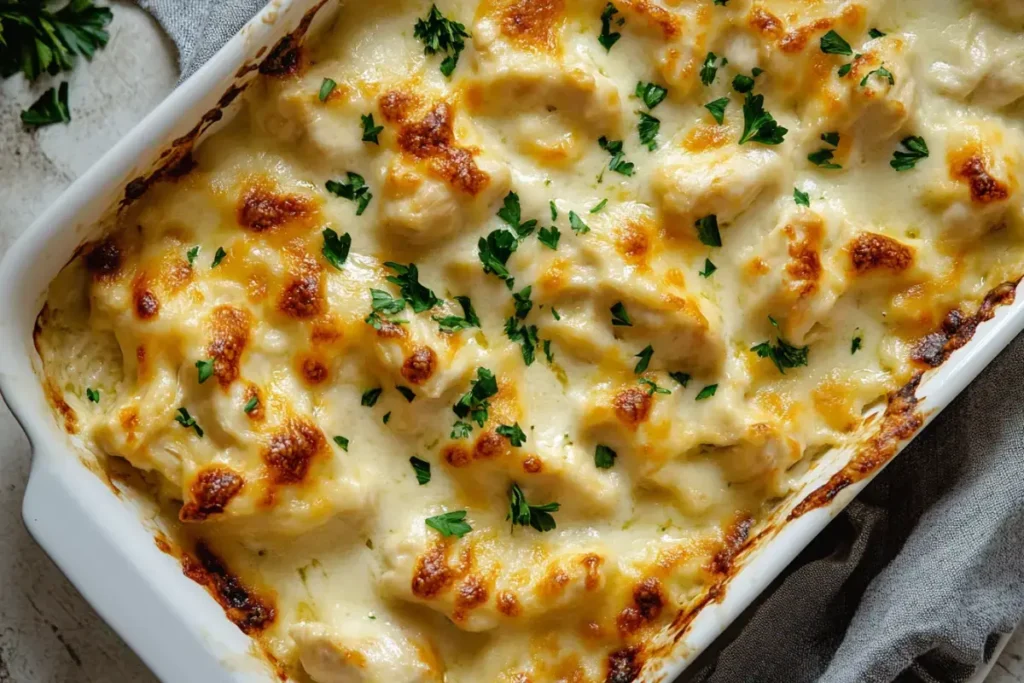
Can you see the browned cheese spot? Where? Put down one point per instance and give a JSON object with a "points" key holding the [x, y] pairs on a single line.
{"points": [[390, 330], [419, 365], [765, 22], [291, 450], [657, 16], [456, 455], [624, 665], [250, 612], [104, 259], [632, 406], [984, 187], [303, 296], [212, 490], [251, 392], [532, 464], [396, 106], [592, 566], [489, 445], [797, 39], [648, 601], [231, 328], [432, 574], [261, 208], [61, 406], [633, 242], [735, 537], [508, 604], [469, 595], [533, 24], [146, 304], [313, 370], [958, 328], [871, 251]]}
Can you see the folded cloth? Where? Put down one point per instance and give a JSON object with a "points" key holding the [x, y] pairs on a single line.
{"points": [[915, 580]]}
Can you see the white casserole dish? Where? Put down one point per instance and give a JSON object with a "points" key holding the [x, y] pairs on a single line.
{"points": [[102, 541]]}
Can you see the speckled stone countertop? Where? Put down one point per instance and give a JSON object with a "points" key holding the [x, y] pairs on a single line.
{"points": [[48, 634]]}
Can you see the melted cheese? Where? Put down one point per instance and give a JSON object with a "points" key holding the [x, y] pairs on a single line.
{"points": [[364, 589]]}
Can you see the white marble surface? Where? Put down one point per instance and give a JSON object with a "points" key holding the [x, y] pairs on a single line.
{"points": [[48, 634]]}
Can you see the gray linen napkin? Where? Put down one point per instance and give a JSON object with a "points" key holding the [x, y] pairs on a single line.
{"points": [[914, 581]]}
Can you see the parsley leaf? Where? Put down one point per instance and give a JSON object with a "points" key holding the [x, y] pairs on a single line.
{"points": [[707, 392], [801, 198], [833, 44], [856, 344], [408, 393], [383, 302], [511, 213], [408, 280], [522, 302], [355, 190], [460, 430], [648, 130], [645, 360], [875, 33], [709, 69], [607, 38], [342, 442], [526, 336], [717, 108], [547, 350], [50, 108], [743, 84], [783, 354], [917, 149], [577, 224], [524, 514], [192, 254], [218, 257], [618, 162], [823, 159], [251, 405], [831, 138], [336, 248], [600, 205], [92, 395], [186, 421], [205, 368], [707, 231], [653, 388], [549, 237], [681, 377], [882, 72], [759, 125], [554, 313], [494, 251], [326, 88], [709, 268], [620, 318], [453, 323], [652, 94], [36, 40], [370, 397], [440, 34], [450, 523], [474, 403], [422, 470], [604, 457], [387, 417], [370, 131], [554, 210], [513, 433]]}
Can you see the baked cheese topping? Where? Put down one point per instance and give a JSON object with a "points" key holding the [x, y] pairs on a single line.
{"points": [[483, 335]]}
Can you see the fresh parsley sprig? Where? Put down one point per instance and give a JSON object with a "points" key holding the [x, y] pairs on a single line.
{"points": [[521, 512], [441, 35], [782, 353]]}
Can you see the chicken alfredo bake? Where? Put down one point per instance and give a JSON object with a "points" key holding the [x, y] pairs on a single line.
{"points": [[479, 342]]}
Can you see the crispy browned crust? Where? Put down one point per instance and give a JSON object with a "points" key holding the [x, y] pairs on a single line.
{"points": [[247, 610], [958, 328]]}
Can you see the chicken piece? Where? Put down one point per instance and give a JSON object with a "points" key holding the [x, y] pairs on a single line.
{"points": [[360, 651], [979, 63], [1010, 12]]}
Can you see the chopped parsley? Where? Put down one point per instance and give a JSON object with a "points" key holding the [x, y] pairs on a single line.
{"points": [[191, 254], [408, 393], [342, 443], [743, 84], [681, 377], [782, 353], [355, 190], [709, 69], [653, 388], [707, 231], [37, 38], [882, 73], [524, 514], [823, 159], [833, 44], [336, 248], [648, 128], [511, 212], [450, 524], [831, 138], [604, 457], [549, 237], [577, 224], [856, 344], [709, 268], [474, 403], [92, 395], [218, 257], [759, 125], [441, 35], [645, 360], [620, 318], [717, 108], [525, 336], [205, 368], [801, 198], [453, 323], [422, 470], [186, 421], [554, 313], [326, 88], [370, 397], [494, 251], [618, 162], [408, 280], [460, 430], [554, 210], [522, 302], [387, 417], [513, 433], [652, 94], [251, 405], [916, 149], [600, 205], [707, 392], [546, 345], [385, 307], [607, 37], [875, 33], [51, 107], [370, 131]]}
